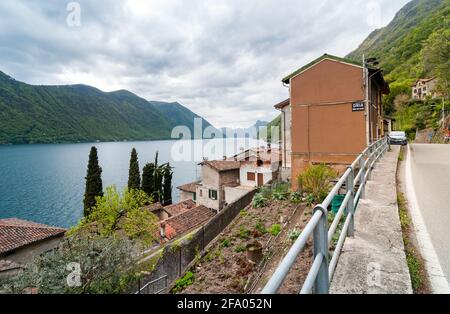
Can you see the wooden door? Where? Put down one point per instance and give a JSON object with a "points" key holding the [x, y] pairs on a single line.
{"points": [[260, 179]]}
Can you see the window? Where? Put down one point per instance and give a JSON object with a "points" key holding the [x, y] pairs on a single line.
{"points": [[213, 194], [194, 196], [424, 89], [201, 193], [250, 176]]}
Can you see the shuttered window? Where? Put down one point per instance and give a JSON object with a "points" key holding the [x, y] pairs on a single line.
{"points": [[250, 176]]}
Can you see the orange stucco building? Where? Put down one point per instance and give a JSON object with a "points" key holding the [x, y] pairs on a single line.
{"points": [[334, 113]]}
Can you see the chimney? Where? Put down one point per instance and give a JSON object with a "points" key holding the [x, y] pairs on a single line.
{"points": [[269, 147]]}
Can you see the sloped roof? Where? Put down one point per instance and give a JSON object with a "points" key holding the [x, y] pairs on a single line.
{"points": [[323, 57], [187, 221], [283, 104], [16, 233], [222, 165], [154, 207], [179, 208], [189, 187]]}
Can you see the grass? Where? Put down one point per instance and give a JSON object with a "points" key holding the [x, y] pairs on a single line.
{"points": [[413, 259], [401, 155]]}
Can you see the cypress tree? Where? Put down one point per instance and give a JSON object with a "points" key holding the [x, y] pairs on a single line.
{"points": [[94, 185], [148, 182], [134, 176], [167, 186]]}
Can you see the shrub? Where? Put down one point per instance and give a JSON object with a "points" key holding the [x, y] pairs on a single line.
{"points": [[244, 233], [296, 197], [260, 227], [275, 229], [259, 201], [225, 243], [294, 234], [184, 282], [239, 248], [315, 180]]}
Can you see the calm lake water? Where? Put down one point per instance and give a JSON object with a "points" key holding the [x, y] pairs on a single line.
{"points": [[45, 183]]}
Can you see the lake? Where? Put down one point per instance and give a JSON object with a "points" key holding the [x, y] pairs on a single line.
{"points": [[45, 183]]}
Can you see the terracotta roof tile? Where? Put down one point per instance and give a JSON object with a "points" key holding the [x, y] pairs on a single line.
{"points": [[15, 233], [187, 221], [154, 207], [189, 187], [179, 208], [223, 165]]}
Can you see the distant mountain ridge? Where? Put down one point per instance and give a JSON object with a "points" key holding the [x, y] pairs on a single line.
{"points": [[81, 113]]}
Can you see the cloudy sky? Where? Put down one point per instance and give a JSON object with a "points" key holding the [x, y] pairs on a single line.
{"points": [[223, 59]]}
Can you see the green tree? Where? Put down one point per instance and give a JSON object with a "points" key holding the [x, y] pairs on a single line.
{"points": [[148, 182], [134, 176], [436, 56], [167, 186], [94, 185], [121, 214], [158, 176], [107, 265]]}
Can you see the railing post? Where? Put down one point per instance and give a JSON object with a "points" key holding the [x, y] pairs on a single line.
{"points": [[362, 183], [322, 283], [350, 203]]}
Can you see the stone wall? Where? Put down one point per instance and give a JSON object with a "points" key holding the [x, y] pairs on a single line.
{"points": [[178, 256]]}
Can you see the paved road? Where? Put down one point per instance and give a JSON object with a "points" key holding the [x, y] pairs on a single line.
{"points": [[430, 166]]}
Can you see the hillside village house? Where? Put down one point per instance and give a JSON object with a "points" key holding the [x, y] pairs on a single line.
{"points": [[424, 88], [259, 166], [225, 181], [21, 240], [333, 116]]}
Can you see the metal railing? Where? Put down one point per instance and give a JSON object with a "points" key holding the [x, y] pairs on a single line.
{"points": [[321, 272], [146, 288]]}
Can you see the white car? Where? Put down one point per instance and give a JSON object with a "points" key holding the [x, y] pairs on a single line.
{"points": [[398, 138]]}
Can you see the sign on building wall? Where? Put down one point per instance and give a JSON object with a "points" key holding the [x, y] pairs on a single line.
{"points": [[358, 106]]}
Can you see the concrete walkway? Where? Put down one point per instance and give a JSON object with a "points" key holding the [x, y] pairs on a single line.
{"points": [[374, 260]]}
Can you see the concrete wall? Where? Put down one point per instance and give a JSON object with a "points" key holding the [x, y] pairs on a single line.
{"points": [[324, 127], [286, 140], [215, 180], [177, 258], [233, 194], [186, 196], [25, 254], [251, 167]]}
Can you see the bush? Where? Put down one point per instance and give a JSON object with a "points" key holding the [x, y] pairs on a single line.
{"points": [[260, 227], [296, 197], [106, 265], [225, 243], [184, 282], [259, 201], [275, 229], [294, 234], [244, 233], [239, 248], [316, 181]]}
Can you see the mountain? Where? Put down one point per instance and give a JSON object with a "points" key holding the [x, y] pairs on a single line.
{"points": [[267, 131], [399, 46], [179, 115], [251, 131], [80, 113]]}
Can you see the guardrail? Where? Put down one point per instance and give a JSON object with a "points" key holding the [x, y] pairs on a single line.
{"points": [[322, 270], [146, 288]]}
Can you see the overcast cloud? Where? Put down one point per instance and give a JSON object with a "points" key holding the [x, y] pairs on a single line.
{"points": [[222, 59]]}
